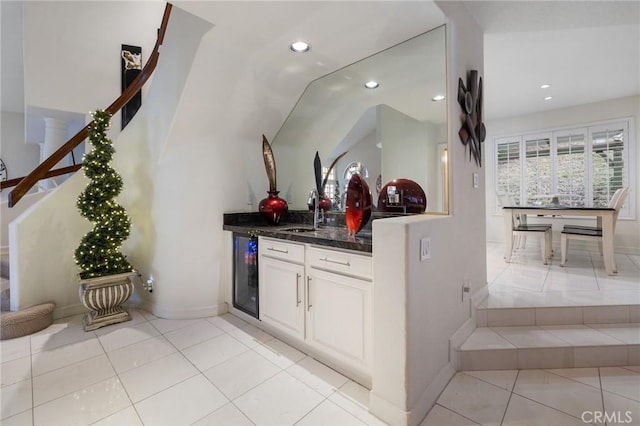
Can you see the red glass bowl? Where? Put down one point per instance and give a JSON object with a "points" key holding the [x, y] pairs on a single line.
{"points": [[358, 204], [408, 197]]}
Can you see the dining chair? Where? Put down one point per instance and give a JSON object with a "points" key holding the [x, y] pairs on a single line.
{"points": [[591, 233], [520, 230]]}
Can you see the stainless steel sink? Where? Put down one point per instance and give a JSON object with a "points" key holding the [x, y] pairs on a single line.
{"points": [[299, 230]]}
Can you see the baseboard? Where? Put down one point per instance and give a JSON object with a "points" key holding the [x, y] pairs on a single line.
{"points": [[69, 310], [394, 415], [431, 394], [194, 313]]}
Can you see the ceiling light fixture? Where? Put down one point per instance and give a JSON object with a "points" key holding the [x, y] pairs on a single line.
{"points": [[548, 98], [437, 98], [300, 47], [545, 86], [371, 84]]}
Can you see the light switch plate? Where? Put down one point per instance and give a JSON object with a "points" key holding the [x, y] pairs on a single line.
{"points": [[475, 179], [425, 249]]}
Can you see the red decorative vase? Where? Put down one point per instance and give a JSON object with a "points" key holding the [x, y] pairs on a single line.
{"points": [[273, 208], [358, 204], [325, 204], [402, 196]]}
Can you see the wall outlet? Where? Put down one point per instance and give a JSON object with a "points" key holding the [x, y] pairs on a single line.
{"points": [[425, 249], [476, 180], [466, 289]]}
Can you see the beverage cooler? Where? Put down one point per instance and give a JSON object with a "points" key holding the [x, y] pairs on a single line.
{"points": [[245, 274]]}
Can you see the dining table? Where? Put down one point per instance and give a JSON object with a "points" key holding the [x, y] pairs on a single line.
{"points": [[605, 219]]}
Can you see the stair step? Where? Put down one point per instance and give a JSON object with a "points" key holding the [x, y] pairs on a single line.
{"points": [[551, 346], [557, 315]]}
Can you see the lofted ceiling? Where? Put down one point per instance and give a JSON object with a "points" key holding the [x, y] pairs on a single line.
{"points": [[588, 51]]}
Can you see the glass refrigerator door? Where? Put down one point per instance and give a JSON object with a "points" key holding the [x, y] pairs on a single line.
{"points": [[245, 272]]}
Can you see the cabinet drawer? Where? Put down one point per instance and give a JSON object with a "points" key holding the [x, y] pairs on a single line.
{"points": [[341, 262], [279, 249]]}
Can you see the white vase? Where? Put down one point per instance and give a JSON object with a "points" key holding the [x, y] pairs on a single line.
{"points": [[103, 296]]}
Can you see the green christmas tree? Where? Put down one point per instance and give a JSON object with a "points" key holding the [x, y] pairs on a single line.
{"points": [[99, 251]]}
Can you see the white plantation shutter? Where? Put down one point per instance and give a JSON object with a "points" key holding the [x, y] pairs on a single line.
{"points": [[537, 168], [608, 161], [582, 166], [571, 165], [508, 170]]}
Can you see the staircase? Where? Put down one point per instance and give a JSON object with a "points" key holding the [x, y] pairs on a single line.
{"points": [[26, 321], [547, 316], [553, 337]]}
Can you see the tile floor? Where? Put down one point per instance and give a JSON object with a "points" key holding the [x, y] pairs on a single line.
{"points": [[223, 371]]}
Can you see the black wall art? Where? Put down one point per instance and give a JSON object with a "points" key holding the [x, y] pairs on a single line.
{"points": [[473, 132], [131, 65]]}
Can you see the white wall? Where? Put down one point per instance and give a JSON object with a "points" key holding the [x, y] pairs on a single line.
{"points": [[627, 235], [20, 158], [72, 50], [417, 304]]}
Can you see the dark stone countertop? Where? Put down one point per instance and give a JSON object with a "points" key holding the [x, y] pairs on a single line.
{"points": [[333, 234]]}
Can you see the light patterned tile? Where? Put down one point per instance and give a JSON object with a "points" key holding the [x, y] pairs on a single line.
{"points": [[529, 337], [329, 414], [558, 392], [23, 419], [85, 406], [475, 399], [626, 333], [62, 356], [214, 351], [71, 378], [196, 397], [15, 398], [621, 381], [141, 353], [354, 399], [626, 411], [317, 376], [226, 415], [241, 373], [120, 337], [486, 338], [580, 335], [494, 359], [504, 379], [279, 353], [440, 416], [15, 371], [588, 376], [156, 376], [127, 417], [596, 356], [280, 400], [524, 412], [193, 334]]}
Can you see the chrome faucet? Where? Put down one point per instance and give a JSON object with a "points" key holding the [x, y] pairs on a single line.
{"points": [[314, 197]]}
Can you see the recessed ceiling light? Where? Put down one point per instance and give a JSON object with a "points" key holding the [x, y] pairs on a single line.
{"points": [[545, 86], [548, 98], [371, 84], [300, 47], [437, 98]]}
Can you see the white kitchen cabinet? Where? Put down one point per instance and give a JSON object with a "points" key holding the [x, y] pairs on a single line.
{"points": [[322, 298], [281, 288], [339, 317]]}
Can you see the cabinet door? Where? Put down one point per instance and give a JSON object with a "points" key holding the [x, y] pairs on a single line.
{"points": [[281, 295], [339, 316]]}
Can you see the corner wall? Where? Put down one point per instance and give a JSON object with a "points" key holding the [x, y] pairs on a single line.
{"points": [[418, 305]]}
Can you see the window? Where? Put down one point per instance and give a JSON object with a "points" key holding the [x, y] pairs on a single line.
{"points": [[583, 166]]}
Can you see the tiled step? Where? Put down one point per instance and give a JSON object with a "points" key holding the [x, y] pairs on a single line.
{"points": [[551, 346], [557, 315]]}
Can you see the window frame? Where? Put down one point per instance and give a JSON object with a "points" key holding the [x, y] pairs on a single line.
{"points": [[588, 130]]}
